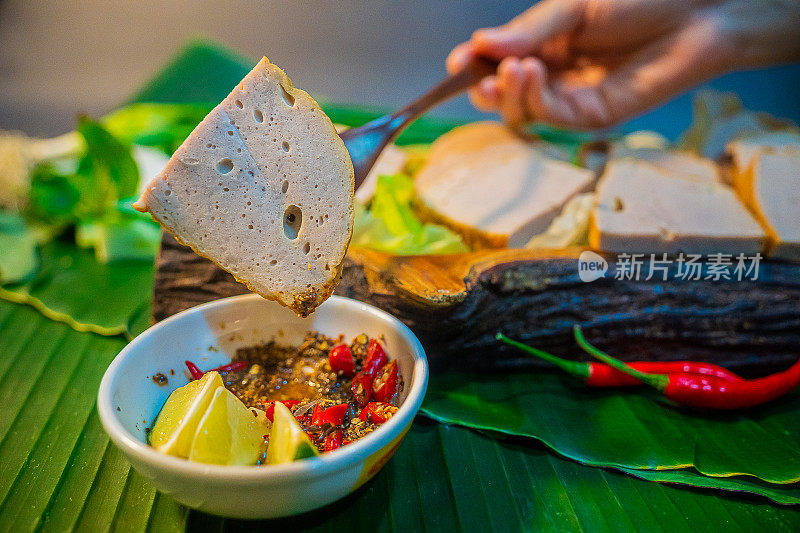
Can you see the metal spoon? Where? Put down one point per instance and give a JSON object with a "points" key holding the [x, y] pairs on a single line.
{"points": [[366, 142]]}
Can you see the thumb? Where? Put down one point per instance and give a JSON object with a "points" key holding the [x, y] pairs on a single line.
{"points": [[525, 34]]}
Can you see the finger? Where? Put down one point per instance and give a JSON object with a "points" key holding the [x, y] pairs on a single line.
{"points": [[511, 88], [525, 34], [545, 104], [557, 52], [589, 106], [662, 70], [485, 95], [589, 97], [536, 74], [459, 56]]}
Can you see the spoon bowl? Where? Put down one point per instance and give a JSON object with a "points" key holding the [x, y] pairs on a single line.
{"points": [[366, 142]]}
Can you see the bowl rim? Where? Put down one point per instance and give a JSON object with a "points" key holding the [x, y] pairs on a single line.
{"points": [[336, 460]]}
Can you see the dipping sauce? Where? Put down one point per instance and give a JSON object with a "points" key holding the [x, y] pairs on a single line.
{"points": [[338, 392]]}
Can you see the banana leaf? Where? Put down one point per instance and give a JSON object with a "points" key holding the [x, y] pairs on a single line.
{"points": [[623, 428], [58, 470], [70, 283], [783, 494], [18, 257]]}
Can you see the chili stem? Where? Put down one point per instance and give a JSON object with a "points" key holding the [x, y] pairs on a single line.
{"points": [[659, 381], [193, 370], [570, 367]]}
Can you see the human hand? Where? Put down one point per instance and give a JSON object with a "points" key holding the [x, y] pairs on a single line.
{"points": [[593, 63]]}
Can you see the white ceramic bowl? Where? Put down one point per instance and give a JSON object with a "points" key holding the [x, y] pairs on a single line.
{"points": [[209, 334]]}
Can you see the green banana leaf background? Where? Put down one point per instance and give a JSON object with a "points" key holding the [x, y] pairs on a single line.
{"points": [[756, 452], [493, 453], [71, 283]]}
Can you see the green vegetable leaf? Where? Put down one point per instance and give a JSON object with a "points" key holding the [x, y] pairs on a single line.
{"points": [[86, 193], [108, 166], [391, 226], [18, 257], [392, 204], [54, 196], [120, 239], [623, 428], [160, 125], [560, 136], [123, 234]]}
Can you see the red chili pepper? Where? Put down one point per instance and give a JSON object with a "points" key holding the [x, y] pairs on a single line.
{"points": [[333, 415], [601, 375], [362, 388], [197, 373], [269, 409], [193, 370], [341, 360], [708, 392], [333, 441], [316, 416], [336, 413], [375, 359], [377, 412], [230, 367], [384, 386]]}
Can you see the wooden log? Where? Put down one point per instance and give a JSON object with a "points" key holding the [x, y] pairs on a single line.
{"points": [[456, 304], [184, 279]]}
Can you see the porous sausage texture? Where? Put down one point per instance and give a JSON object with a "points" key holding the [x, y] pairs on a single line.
{"points": [[264, 188]]}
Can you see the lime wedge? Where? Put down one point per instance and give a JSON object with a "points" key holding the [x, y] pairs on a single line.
{"points": [[177, 422], [287, 440], [229, 433]]}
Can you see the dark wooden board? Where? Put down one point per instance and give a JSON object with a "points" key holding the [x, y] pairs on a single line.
{"points": [[456, 304]]}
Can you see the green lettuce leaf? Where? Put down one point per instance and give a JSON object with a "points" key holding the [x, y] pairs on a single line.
{"points": [[391, 226], [61, 195]]}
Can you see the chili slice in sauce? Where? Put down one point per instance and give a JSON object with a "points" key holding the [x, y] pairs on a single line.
{"points": [[377, 412], [384, 386], [362, 388], [375, 359]]}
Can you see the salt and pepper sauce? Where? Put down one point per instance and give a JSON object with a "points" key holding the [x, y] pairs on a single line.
{"points": [[316, 382]]}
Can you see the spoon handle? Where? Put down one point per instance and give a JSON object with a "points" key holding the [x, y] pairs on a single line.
{"points": [[366, 142], [450, 86]]}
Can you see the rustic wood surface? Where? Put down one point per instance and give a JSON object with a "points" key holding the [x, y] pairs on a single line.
{"points": [[456, 304]]}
